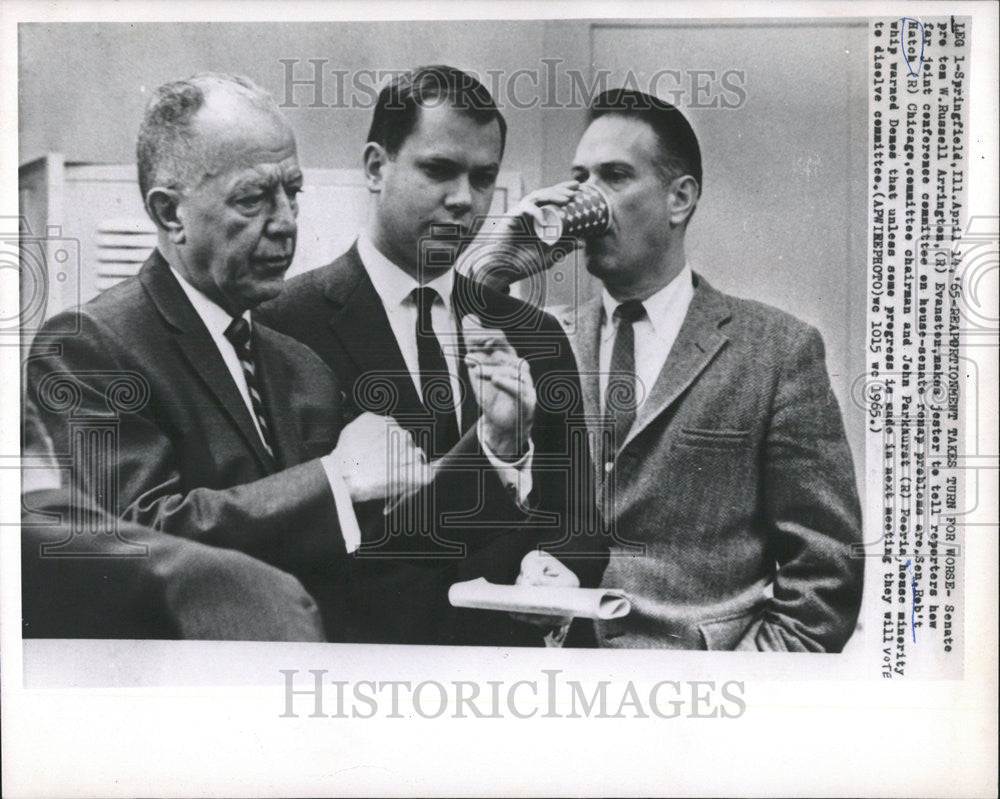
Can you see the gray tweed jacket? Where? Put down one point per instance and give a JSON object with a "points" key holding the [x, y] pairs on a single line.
{"points": [[733, 498]]}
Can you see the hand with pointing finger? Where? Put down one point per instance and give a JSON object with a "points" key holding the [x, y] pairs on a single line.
{"points": [[503, 387]]}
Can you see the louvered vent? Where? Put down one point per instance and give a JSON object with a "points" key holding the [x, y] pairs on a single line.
{"points": [[122, 246]]}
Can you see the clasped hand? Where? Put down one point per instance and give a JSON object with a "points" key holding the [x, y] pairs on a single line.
{"points": [[542, 569], [378, 459]]}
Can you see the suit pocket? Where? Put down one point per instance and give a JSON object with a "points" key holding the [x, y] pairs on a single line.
{"points": [[719, 439], [725, 633], [711, 484]]}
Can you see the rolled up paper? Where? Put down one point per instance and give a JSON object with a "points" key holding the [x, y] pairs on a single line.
{"points": [[587, 603]]}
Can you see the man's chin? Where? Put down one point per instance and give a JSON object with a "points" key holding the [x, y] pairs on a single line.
{"points": [[599, 265], [261, 292], [437, 256]]}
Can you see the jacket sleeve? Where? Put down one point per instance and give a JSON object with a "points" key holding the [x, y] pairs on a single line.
{"points": [[812, 510], [175, 588], [287, 519]]}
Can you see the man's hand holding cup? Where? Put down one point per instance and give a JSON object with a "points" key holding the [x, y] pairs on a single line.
{"points": [[536, 233]]}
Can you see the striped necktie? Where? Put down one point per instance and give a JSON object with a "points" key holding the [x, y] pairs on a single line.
{"points": [[238, 334]]}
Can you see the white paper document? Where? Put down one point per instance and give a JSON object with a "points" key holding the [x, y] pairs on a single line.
{"points": [[588, 603]]}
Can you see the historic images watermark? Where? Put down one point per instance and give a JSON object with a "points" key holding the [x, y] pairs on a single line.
{"points": [[311, 694], [314, 83]]}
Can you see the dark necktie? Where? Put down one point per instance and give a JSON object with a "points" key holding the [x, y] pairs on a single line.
{"points": [[435, 381], [620, 393], [238, 334]]}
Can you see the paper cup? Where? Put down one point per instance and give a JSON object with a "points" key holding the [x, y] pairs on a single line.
{"points": [[587, 214]]}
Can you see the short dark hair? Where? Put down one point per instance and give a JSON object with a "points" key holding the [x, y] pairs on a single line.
{"points": [[399, 101], [166, 152], [679, 151]]}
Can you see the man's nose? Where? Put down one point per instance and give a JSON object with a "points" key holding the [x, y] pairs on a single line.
{"points": [[458, 201], [282, 222]]}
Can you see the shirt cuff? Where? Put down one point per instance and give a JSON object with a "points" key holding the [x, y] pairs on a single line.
{"points": [[516, 476], [349, 527]]}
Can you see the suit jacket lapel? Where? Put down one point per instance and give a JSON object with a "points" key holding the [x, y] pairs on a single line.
{"points": [[586, 348], [470, 408], [587, 341], [698, 340], [198, 348], [360, 323], [278, 403]]}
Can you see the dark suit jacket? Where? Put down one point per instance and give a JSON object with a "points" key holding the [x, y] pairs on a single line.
{"points": [[735, 485], [336, 311], [140, 583]]}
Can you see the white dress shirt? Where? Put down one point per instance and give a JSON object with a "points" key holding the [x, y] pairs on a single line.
{"points": [[395, 288], [216, 320], [655, 334]]}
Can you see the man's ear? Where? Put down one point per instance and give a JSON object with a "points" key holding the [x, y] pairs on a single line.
{"points": [[162, 206], [684, 192], [376, 159]]}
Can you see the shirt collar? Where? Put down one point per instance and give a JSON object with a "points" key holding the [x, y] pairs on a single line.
{"points": [[212, 315], [660, 306], [391, 283]]}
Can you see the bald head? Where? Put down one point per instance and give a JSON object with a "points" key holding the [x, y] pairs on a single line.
{"points": [[173, 150]]}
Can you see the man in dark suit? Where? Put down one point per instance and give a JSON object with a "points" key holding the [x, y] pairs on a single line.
{"points": [[408, 337], [728, 480], [179, 411]]}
